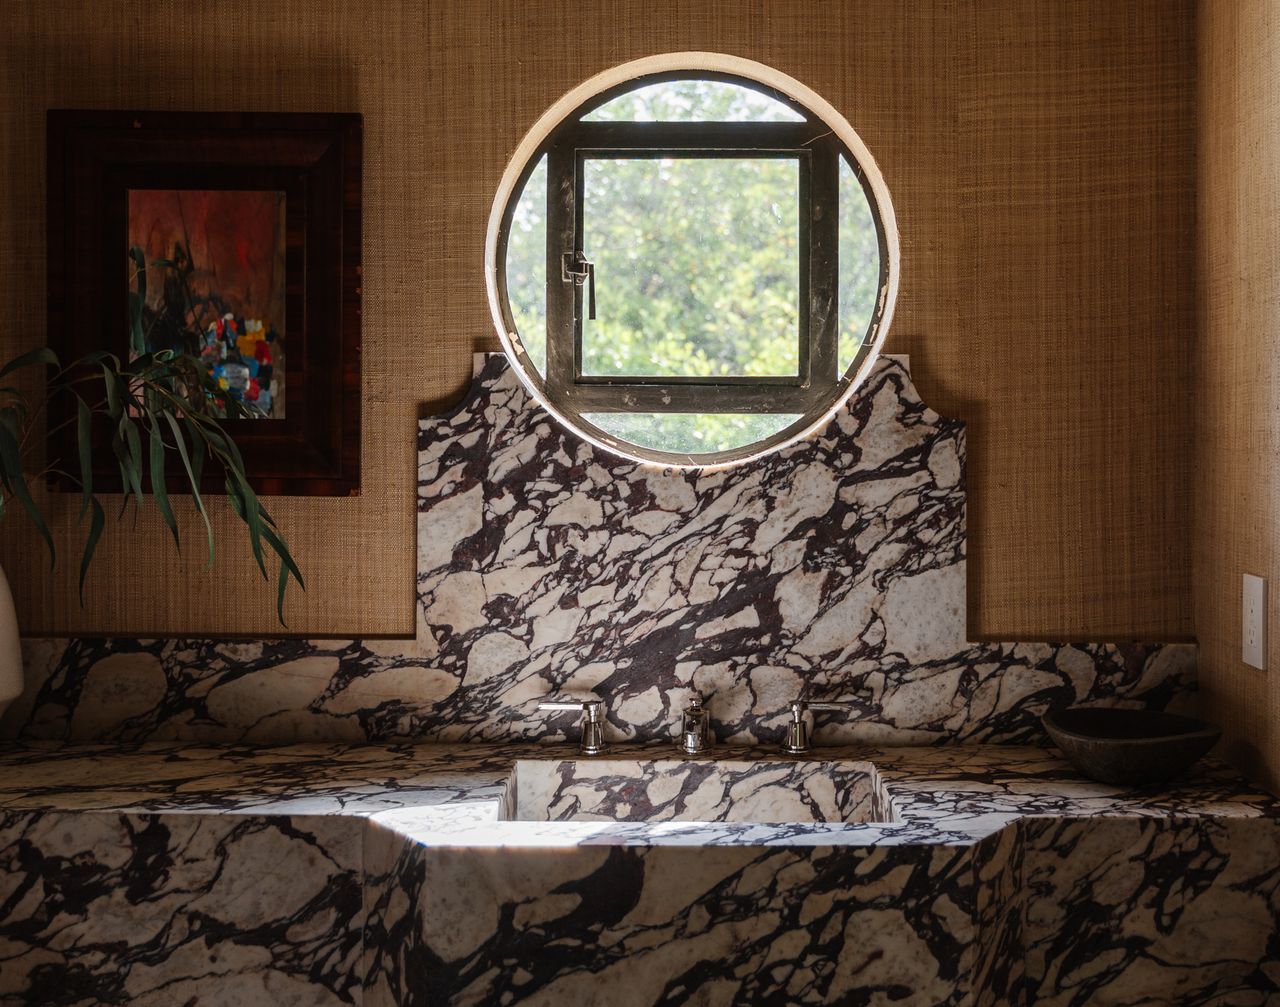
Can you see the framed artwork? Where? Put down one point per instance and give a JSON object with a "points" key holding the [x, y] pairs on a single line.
{"points": [[234, 236]]}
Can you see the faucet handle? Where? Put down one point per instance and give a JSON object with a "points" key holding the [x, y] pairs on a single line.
{"points": [[797, 739], [592, 711], [569, 704]]}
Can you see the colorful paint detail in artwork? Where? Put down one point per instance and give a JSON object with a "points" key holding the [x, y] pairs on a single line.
{"points": [[206, 276], [239, 354]]}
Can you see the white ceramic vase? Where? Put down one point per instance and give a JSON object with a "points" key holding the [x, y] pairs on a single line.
{"points": [[10, 648]]}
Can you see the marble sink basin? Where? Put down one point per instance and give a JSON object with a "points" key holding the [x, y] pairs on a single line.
{"points": [[793, 791]]}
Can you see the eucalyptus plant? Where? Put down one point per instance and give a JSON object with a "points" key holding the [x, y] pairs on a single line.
{"points": [[155, 405]]}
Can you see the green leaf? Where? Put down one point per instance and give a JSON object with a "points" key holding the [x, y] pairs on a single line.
{"points": [[14, 417], [84, 442], [96, 523], [140, 363], [121, 452], [157, 481], [98, 357], [278, 545], [140, 263], [16, 483], [225, 444], [246, 504], [113, 392], [197, 454], [266, 517], [136, 341], [135, 457], [281, 586], [287, 568], [195, 482], [40, 355]]}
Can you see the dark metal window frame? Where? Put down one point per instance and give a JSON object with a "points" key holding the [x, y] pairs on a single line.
{"points": [[818, 152]]}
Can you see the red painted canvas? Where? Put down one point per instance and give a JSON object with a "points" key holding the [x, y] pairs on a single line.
{"points": [[206, 272]]}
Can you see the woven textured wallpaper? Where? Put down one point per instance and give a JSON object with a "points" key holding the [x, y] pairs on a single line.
{"points": [[1040, 157], [1237, 526]]}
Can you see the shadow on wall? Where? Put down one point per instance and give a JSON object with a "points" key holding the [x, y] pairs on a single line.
{"points": [[953, 399]]}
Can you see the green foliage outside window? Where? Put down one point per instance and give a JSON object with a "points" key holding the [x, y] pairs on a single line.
{"points": [[697, 267]]}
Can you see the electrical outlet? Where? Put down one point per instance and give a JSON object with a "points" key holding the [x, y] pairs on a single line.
{"points": [[1254, 628]]}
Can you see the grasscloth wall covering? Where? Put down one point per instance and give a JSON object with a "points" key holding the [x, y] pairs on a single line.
{"points": [[1041, 160], [1237, 364]]}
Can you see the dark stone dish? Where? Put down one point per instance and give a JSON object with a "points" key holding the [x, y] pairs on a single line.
{"points": [[1129, 747]]}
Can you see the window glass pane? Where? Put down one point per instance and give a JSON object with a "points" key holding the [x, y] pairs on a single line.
{"points": [[691, 433], [527, 266], [696, 266], [859, 265], [693, 101]]}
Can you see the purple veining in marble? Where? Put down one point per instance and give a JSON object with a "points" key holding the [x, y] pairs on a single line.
{"points": [[834, 568]]}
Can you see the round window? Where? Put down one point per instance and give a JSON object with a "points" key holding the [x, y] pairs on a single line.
{"points": [[692, 260]]}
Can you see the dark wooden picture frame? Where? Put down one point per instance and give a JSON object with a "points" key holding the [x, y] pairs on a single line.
{"points": [[96, 157]]}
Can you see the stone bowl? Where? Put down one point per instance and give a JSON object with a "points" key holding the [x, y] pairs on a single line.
{"points": [[1129, 748]]}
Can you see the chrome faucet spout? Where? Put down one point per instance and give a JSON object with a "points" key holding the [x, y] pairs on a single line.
{"points": [[592, 711], [797, 739]]}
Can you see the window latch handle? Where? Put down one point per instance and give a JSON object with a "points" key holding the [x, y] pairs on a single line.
{"points": [[579, 269]]}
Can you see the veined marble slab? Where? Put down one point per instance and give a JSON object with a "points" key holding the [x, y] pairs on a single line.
{"points": [[165, 909], [833, 569], [697, 790], [174, 871], [717, 925]]}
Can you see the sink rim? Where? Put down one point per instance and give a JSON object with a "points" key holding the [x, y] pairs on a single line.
{"points": [[1108, 724]]}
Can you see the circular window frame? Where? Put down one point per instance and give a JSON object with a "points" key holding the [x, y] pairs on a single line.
{"points": [[605, 86]]}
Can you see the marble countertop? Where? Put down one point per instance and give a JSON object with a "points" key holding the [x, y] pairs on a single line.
{"points": [[453, 794], [392, 874]]}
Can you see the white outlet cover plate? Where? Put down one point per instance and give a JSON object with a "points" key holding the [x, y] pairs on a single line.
{"points": [[1254, 622]]}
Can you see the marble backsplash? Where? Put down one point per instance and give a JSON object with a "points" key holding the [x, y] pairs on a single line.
{"points": [[834, 569]]}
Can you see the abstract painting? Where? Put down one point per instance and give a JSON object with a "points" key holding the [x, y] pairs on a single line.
{"points": [[206, 273], [234, 237]]}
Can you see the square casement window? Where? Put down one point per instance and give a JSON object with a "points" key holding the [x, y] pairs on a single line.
{"points": [[691, 267], [675, 222]]}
